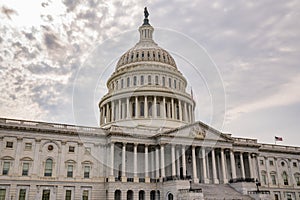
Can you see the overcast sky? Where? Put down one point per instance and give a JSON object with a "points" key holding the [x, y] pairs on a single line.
{"points": [[245, 55]]}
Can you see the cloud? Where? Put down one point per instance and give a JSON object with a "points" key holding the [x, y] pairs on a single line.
{"points": [[8, 12]]}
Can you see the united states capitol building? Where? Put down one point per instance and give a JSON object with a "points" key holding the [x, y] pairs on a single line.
{"points": [[148, 146]]}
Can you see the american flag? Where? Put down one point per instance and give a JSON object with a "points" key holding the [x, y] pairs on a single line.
{"points": [[278, 138]]}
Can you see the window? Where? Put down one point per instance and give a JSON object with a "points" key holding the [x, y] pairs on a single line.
{"points": [[264, 179], [25, 169], [50, 147], [297, 179], [156, 80], [9, 144], [85, 195], [87, 170], [88, 150], [133, 109], [128, 82], [117, 84], [68, 195], [294, 164], [28, 146], [175, 85], [142, 80], [70, 171], [142, 109], [285, 178], [71, 149], [273, 178], [179, 85], [158, 109], [46, 195], [271, 162], [22, 194], [149, 80], [2, 194], [122, 83], [48, 167], [6, 166], [170, 84], [150, 109], [163, 81], [134, 80], [261, 162], [142, 195], [282, 164]]}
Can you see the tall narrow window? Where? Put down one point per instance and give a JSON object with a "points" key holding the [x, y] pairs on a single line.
{"points": [[150, 109], [149, 80], [156, 80], [175, 85], [122, 83], [48, 167], [70, 171], [6, 166], [85, 195], [133, 109], [25, 169], [163, 81], [170, 83], [2, 194], [142, 80], [87, 170], [142, 106], [46, 195], [177, 112], [22, 194], [128, 81], [285, 178], [158, 109], [117, 85], [134, 80], [68, 195]]}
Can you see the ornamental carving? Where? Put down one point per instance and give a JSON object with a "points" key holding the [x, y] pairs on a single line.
{"points": [[198, 132]]}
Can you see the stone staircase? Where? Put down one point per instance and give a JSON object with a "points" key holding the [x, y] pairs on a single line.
{"points": [[220, 192]]}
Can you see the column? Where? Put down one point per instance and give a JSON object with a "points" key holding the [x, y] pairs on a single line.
{"points": [[157, 162], [242, 165], [266, 160], [111, 174], [215, 179], [178, 162], [173, 160], [191, 114], [232, 162], [223, 163], [36, 160], [250, 165], [183, 161], [135, 178], [173, 109], [152, 164], [185, 113], [107, 113], [136, 107], [147, 179], [164, 108], [17, 157], [162, 160], [112, 110], [123, 178], [180, 110], [120, 110], [205, 180], [154, 106], [101, 114], [146, 107], [127, 108], [195, 178]]}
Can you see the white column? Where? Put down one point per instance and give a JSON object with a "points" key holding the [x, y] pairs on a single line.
{"points": [[101, 116], [136, 107], [157, 162], [112, 110], [17, 157], [112, 159], [164, 108], [135, 163], [124, 179], [173, 160], [173, 109], [232, 162], [223, 163], [146, 107], [128, 115], [107, 113], [146, 162], [180, 110], [215, 179], [152, 164], [195, 178], [183, 161], [191, 114], [120, 109], [205, 180], [185, 112], [250, 165], [242, 165], [178, 162], [154, 106], [162, 160]]}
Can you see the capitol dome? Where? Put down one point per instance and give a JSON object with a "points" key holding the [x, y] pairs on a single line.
{"points": [[146, 88]]}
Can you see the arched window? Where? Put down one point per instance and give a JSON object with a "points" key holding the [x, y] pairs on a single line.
{"points": [[48, 167], [142, 105], [273, 178], [297, 179], [150, 109], [152, 195], [285, 178], [134, 80], [129, 195], [122, 83], [141, 195], [170, 196], [156, 80], [118, 195]]}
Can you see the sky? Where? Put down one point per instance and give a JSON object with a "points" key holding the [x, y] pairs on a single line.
{"points": [[241, 58]]}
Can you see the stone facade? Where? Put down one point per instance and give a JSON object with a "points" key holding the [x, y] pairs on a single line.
{"points": [[148, 146]]}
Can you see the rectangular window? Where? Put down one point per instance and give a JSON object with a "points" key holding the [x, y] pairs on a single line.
{"points": [[297, 179], [9, 144], [28, 146], [264, 179], [25, 169], [261, 162], [142, 80], [122, 83], [22, 194], [6, 166], [294, 164], [170, 83], [163, 81], [87, 170], [71, 149], [271, 163], [70, 171], [68, 195], [134, 80], [2, 194], [46, 195], [85, 195], [175, 85], [156, 80], [149, 80], [273, 178], [128, 82]]}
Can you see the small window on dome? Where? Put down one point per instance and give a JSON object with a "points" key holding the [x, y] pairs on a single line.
{"points": [[142, 54], [149, 80], [128, 81], [122, 83], [170, 83], [156, 80], [131, 57], [134, 80], [137, 55], [142, 80], [148, 54], [175, 84], [163, 81]]}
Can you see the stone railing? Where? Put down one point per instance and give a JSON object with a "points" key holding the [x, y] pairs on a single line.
{"points": [[245, 140], [259, 192], [238, 180], [279, 147]]}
